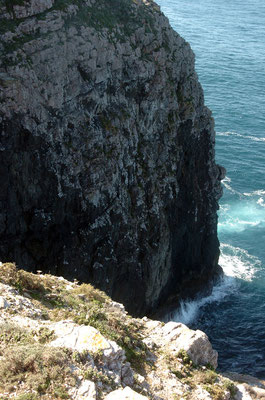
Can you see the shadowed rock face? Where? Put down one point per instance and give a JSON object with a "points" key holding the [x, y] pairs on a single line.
{"points": [[107, 168]]}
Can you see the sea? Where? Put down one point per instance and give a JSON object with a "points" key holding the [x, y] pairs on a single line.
{"points": [[228, 39]]}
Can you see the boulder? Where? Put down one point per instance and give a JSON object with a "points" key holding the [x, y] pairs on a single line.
{"points": [[86, 391], [196, 343], [125, 394], [81, 338]]}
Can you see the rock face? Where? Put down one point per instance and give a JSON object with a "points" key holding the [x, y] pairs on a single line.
{"points": [[107, 168]]}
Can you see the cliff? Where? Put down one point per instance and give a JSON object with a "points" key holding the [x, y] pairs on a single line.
{"points": [[61, 340], [107, 169]]}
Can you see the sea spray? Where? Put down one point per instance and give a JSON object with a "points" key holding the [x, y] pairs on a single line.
{"points": [[237, 264]]}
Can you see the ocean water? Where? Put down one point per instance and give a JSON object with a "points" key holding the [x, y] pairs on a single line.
{"points": [[227, 37]]}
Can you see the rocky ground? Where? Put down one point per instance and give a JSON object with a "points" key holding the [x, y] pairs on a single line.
{"points": [[62, 340]]}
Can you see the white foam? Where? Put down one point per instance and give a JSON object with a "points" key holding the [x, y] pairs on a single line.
{"points": [[255, 193], [228, 187], [237, 225], [241, 214], [236, 263], [253, 138], [189, 310], [224, 133], [261, 202], [226, 182], [227, 179], [224, 207]]}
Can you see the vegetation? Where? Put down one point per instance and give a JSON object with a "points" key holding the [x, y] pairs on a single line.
{"points": [[194, 375], [42, 370], [83, 304], [119, 18], [30, 369]]}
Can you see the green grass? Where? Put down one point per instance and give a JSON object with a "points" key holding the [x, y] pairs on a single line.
{"points": [[33, 370], [83, 304]]}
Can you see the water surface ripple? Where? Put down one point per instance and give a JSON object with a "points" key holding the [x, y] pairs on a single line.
{"points": [[227, 37]]}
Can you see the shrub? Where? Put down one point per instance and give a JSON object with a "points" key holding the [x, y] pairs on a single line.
{"points": [[41, 369]]}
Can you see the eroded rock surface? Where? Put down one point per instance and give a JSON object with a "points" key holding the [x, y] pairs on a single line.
{"points": [[107, 169], [123, 358], [125, 394], [176, 336]]}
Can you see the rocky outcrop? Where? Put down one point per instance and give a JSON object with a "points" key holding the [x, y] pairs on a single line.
{"points": [[125, 394], [177, 337], [61, 340], [107, 167]]}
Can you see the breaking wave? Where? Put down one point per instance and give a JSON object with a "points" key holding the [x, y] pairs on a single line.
{"points": [[237, 264]]}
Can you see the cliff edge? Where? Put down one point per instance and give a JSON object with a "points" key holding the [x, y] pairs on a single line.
{"points": [[107, 169], [61, 340]]}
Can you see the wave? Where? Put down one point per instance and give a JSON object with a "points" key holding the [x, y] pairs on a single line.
{"points": [[254, 138], [236, 263], [237, 225], [260, 192], [189, 310], [227, 184], [241, 214], [261, 202], [255, 193], [227, 179], [228, 187]]}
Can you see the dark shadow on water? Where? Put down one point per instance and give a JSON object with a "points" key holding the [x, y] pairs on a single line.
{"points": [[235, 327]]}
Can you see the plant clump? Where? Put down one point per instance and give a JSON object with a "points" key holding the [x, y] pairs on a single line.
{"points": [[31, 369], [83, 304], [39, 369]]}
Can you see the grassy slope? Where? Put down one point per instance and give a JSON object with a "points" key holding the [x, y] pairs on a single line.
{"points": [[31, 370]]}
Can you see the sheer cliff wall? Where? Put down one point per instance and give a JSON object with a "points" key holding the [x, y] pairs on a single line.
{"points": [[107, 169]]}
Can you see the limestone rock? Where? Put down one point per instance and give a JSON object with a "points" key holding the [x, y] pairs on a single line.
{"points": [[248, 386], [177, 336], [80, 338], [20, 305], [201, 394], [26, 9], [243, 394], [125, 394], [4, 303], [97, 365], [86, 391], [196, 343], [127, 374]]}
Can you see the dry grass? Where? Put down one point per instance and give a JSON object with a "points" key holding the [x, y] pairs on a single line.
{"points": [[83, 304], [36, 369], [90, 293], [30, 370]]}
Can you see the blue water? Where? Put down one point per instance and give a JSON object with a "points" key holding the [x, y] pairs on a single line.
{"points": [[227, 37]]}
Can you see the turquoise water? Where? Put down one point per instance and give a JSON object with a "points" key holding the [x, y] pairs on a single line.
{"points": [[227, 37]]}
